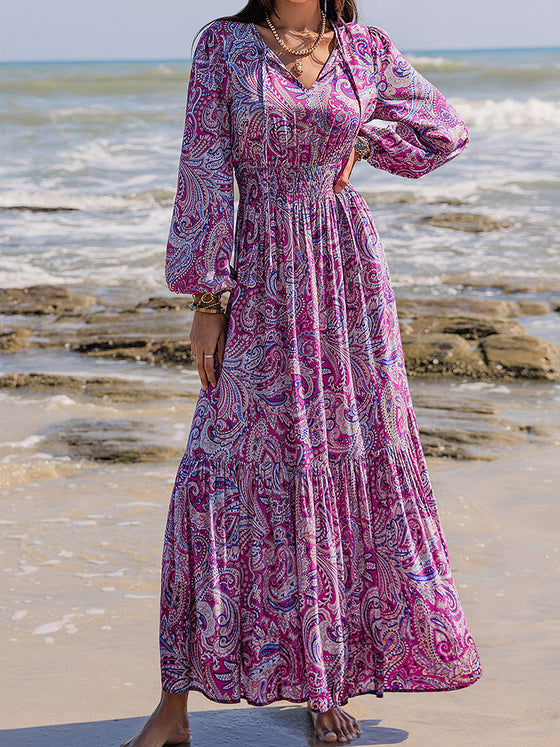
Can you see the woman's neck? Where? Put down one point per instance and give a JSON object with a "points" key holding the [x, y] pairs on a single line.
{"points": [[304, 15]]}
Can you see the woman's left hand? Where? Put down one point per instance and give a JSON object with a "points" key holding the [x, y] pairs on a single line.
{"points": [[344, 178]]}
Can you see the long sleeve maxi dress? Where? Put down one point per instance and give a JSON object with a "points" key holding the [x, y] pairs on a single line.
{"points": [[303, 554]]}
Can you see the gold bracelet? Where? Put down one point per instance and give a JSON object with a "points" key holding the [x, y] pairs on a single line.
{"points": [[209, 297], [208, 309]]}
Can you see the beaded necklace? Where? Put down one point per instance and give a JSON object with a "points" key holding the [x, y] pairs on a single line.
{"points": [[298, 67]]}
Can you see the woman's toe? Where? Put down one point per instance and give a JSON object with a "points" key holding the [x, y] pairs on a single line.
{"points": [[350, 731], [328, 736], [324, 732]]}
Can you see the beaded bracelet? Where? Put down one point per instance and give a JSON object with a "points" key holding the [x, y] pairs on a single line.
{"points": [[200, 305], [208, 309], [362, 148]]}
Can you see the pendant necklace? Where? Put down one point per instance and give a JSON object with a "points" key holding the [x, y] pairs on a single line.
{"points": [[298, 67]]}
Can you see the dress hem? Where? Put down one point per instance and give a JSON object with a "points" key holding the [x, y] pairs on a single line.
{"points": [[344, 701]]}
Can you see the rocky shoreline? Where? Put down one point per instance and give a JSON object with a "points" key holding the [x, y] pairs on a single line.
{"points": [[476, 338], [461, 339]]}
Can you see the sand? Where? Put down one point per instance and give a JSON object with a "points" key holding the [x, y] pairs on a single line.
{"points": [[76, 672]]}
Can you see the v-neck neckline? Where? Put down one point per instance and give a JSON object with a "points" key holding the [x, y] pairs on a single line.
{"points": [[277, 59]]}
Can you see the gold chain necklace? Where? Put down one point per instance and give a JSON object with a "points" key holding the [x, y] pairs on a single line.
{"points": [[298, 67]]}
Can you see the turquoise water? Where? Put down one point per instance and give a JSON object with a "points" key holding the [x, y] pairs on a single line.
{"points": [[103, 138]]}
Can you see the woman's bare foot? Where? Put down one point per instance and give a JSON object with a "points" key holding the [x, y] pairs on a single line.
{"points": [[168, 724], [334, 725]]}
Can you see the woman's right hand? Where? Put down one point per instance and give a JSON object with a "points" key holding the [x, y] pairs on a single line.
{"points": [[208, 335], [344, 177]]}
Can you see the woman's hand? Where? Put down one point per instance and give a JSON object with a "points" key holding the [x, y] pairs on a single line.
{"points": [[208, 334], [344, 178]]}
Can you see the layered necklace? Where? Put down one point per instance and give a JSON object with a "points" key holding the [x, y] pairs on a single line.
{"points": [[298, 67]]}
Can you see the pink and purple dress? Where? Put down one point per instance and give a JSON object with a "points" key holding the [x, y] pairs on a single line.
{"points": [[304, 557]]}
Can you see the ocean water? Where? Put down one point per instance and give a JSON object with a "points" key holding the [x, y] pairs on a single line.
{"points": [[104, 138]]}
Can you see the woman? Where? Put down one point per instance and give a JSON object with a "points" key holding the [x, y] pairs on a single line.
{"points": [[304, 558]]}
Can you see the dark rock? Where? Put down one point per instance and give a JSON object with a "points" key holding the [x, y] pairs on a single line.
{"points": [[522, 356], [43, 299], [173, 352], [447, 201], [130, 324], [115, 390], [164, 303], [123, 441], [442, 354], [405, 197], [150, 351], [548, 431], [469, 326], [471, 428], [498, 356], [458, 407], [13, 339], [393, 197], [458, 305], [459, 443], [112, 345], [470, 222], [533, 308], [35, 209]]}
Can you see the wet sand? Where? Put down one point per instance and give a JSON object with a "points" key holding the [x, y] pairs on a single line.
{"points": [[80, 614]]}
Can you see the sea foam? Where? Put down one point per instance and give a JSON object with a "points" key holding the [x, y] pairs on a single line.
{"points": [[509, 114]]}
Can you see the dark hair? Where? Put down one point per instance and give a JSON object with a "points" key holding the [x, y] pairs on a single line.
{"points": [[344, 11]]}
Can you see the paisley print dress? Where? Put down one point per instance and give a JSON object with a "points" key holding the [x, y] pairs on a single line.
{"points": [[303, 556]]}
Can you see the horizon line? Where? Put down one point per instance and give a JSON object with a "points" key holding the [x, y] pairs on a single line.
{"points": [[431, 50]]}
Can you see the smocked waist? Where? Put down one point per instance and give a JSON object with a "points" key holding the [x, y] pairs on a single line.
{"points": [[290, 182]]}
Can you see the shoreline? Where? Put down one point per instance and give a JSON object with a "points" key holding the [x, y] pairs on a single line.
{"points": [[472, 337], [479, 382]]}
